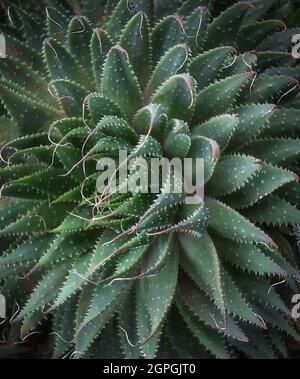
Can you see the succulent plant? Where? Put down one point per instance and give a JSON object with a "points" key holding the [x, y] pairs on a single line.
{"points": [[133, 275]]}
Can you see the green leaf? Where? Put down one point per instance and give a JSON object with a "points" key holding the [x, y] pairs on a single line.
{"points": [[24, 76], [92, 330], [260, 292], [275, 151], [63, 326], [117, 127], [135, 40], [28, 141], [177, 142], [105, 250], [181, 339], [202, 255], [231, 225], [247, 257], [268, 88], [69, 156], [71, 95], [240, 64], [284, 122], [267, 59], [220, 129], [107, 344], [66, 246], [258, 31], [151, 118], [62, 65], [207, 149], [253, 121], [100, 106], [204, 309], [37, 221], [104, 296], [57, 24], [129, 261], [149, 346], [157, 255], [290, 192], [31, 29], [158, 292], [19, 51], [49, 181], [278, 321], [232, 173], [164, 8], [293, 72], [79, 39], [207, 337], [29, 115], [44, 293], [100, 47], [223, 30], [79, 219], [176, 96], [19, 171], [120, 83], [265, 182], [127, 321], [280, 41], [275, 211], [144, 6], [189, 6], [261, 8], [284, 258], [196, 27], [24, 257], [61, 6], [219, 97], [236, 302], [94, 10], [122, 13], [167, 199], [170, 64], [74, 280], [207, 67], [166, 34], [83, 303]]}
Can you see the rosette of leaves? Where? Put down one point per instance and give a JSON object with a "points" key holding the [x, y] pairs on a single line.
{"points": [[132, 275]]}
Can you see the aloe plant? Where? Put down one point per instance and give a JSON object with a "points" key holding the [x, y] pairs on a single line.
{"points": [[141, 275]]}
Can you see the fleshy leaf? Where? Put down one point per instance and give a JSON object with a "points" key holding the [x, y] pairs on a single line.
{"points": [[275, 211], [207, 149], [79, 38], [275, 151], [159, 291], [220, 129], [120, 83], [100, 47], [219, 97], [135, 40], [231, 225], [176, 96], [29, 115], [170, 64], [231, 173], [266, 181], [207, 67], [201, 253], [168, 33], [223, 30]]}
